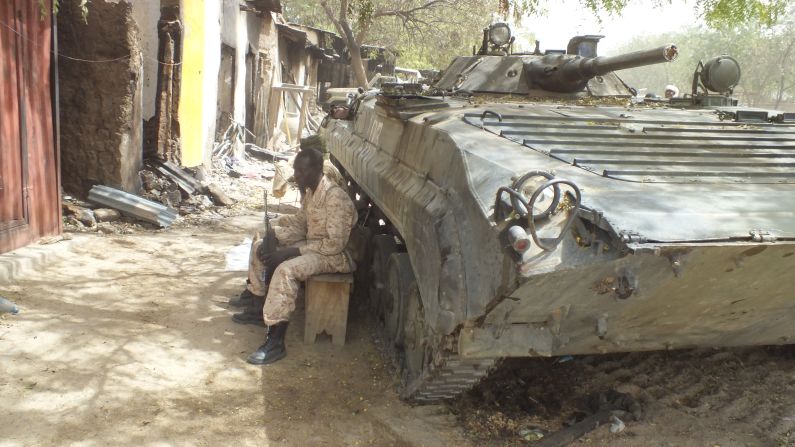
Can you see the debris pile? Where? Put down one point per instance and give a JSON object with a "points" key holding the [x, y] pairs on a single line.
{"points": [[180, 189], [80, 217], [231, 186]]}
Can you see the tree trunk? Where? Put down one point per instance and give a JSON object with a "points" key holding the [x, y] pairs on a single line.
{"points": [[780, 93], [357, 64], [354, 48], [784, 70]]}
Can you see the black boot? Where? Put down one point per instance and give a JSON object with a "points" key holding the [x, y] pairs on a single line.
{"points": [[273, 349], [251, 314], [245, 299]]}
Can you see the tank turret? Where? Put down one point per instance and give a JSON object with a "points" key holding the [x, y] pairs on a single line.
{"points": [[495, 69]]}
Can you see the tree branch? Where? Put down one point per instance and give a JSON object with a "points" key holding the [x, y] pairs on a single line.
{"points": [[331, 16], [343, 11], [407, 13]]}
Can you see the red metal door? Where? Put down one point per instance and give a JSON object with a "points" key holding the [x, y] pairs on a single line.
{"points": [[29, 172], [12, 177]]}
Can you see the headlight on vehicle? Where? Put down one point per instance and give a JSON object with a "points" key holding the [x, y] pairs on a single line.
{"points": [[499, 34]]}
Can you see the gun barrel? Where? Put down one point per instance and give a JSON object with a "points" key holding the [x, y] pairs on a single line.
{"points": [[598, 66], [666, 53]]}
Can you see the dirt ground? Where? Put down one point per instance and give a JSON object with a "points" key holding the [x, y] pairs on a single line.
{"points": [[128, 341], [698, 398]]}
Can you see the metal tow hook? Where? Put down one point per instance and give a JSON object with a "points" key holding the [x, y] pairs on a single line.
{"points": [[486, 113]]}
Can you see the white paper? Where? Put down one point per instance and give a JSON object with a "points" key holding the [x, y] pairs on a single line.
{"points": [[237, 257]]}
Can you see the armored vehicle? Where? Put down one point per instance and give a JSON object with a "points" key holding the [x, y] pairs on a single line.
{"points": [[526, 206]]}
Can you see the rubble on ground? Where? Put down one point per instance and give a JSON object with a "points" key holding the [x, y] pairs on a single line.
{"points": [[229, 188]]}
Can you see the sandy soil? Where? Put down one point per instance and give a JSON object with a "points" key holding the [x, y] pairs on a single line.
{"points": [[129, 341]]}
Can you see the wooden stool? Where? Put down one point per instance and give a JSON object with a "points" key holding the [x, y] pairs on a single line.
{"points": [[327, 306]]}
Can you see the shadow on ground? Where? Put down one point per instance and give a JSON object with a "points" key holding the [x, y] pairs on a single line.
{"points": [[128, 341]]}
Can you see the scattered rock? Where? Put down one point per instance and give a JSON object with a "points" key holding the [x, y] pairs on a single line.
{"points": [[172, 198], [86, 217], [617, 425], [199, 202], [219, 196], [70, 209], [204, 202], [200, 172], [149, 180], [106, 228], [531, 434], [72, 222], [106, 215]]}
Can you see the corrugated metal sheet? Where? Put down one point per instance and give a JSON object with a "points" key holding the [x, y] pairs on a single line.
{"points": [[694, 148], [29, 194], [132, 205]]}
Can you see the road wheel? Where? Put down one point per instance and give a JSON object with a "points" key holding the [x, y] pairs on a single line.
{"points": [[399, 281], [383, 247], [413, 337]]}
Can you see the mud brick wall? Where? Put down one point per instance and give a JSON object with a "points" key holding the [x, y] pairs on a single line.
{"points": [[100, 102]]}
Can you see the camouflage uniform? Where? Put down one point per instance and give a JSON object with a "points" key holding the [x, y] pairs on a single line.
{"points": [[320, 230], [332, 173], [256, 268]]}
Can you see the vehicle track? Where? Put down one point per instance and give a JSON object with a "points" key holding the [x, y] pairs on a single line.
{"points": [[453, 378]]}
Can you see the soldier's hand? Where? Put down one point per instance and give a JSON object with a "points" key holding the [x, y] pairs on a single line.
{"points": [[281, 255], [262, 252]]}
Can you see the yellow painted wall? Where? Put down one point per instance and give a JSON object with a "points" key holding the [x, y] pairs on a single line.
{"points": [[191, 98]]}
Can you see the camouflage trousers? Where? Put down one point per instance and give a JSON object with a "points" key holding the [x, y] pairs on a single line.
{"points": [[283, 289]]}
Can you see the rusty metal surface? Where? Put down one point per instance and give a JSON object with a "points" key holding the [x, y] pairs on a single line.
{"points": [[12, 212], [28, 149], [673, 296]]}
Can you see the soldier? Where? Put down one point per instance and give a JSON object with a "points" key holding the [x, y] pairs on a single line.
{"points": [[671, 91], [312, 241]]}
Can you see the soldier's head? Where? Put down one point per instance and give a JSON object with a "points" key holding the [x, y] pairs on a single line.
{"points": [[308, 168], [671, 91]]}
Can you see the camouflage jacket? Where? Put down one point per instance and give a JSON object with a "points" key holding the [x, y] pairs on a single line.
{"points": [[324, 221]]}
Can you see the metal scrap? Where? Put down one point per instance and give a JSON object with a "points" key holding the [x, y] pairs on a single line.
{"points": [[183, 179], [133, 205]]}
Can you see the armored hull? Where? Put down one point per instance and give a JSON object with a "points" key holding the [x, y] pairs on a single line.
{"points": [[683, 234]]}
